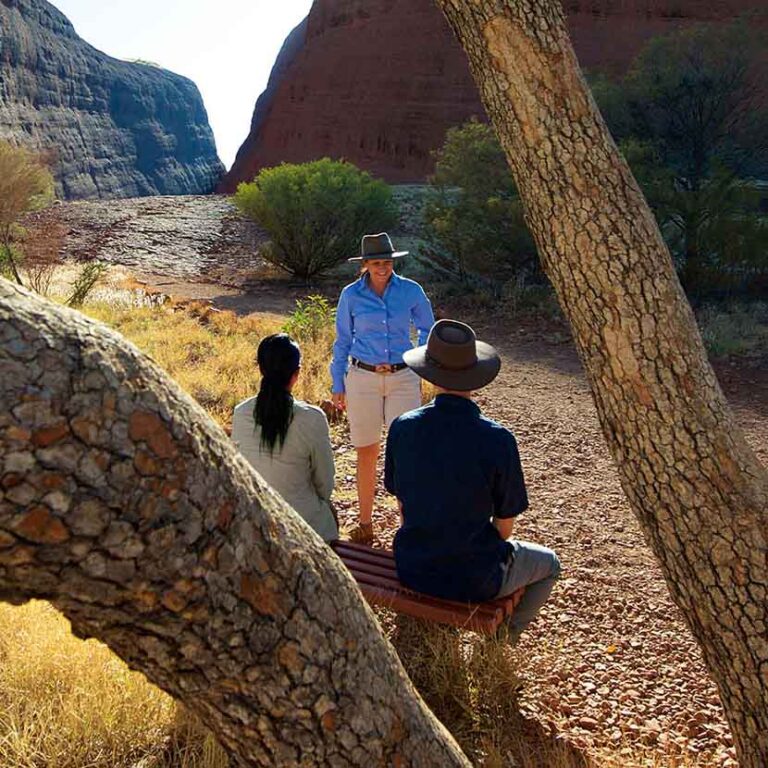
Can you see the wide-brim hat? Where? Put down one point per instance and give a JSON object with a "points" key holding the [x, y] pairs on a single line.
{"points": [[377, 247], [453, 358]]}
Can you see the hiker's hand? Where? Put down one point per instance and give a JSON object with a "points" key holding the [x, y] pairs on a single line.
{"points": [[339, 400]]}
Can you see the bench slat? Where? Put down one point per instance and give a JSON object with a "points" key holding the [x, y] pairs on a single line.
{"points": [[356, 555], [421, 610], [376, 574], [368, 580]]}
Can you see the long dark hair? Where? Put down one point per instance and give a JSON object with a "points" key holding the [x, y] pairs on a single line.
{"points": [[279, 357]]}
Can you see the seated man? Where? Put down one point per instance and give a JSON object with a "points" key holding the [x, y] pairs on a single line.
{"points": [[458, 479]]}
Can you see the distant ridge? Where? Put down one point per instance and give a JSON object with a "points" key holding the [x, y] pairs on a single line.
{"points": [[379, 82], [113, 128]]}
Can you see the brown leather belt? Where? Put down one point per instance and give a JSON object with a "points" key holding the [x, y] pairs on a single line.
{"points": [[382, 368]]}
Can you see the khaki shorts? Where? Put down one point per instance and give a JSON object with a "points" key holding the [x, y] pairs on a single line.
{"points": [[375, 399]]}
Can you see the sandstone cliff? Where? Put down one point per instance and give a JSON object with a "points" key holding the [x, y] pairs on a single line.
{"points": [[114, 129], [379, 82]]}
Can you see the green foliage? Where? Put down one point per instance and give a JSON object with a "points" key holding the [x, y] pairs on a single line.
{"points": [[25, 185], [473, 215], [315, 213], [85, 282], [689, 122], [691, 94], [311, 319]]}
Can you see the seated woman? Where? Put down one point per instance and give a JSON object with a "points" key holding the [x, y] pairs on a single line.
{"points": [[287, 441]]}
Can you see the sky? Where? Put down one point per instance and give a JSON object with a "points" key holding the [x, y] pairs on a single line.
{"points": [[226, 47]]}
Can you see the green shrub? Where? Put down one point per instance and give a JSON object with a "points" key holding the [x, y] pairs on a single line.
{"points": [[85, 282], [692, 128], [311, 319], [473, 214], [25, 184], [315, 213]]}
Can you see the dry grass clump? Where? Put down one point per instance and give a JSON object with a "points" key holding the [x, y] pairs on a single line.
{"points": [[70, 703], [470, 682], [211, 354]]}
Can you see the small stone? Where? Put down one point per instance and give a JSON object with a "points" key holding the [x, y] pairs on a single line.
{"points": [[89, 518], [18, 462], [42, 438], [40, 526], [588, 723]]}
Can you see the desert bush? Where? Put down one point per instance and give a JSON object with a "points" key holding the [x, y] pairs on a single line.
{"points": [[312, 324], [42, 247], [692, 126], [315, 213], [85, 282], [311, 320], [473, 215], [25, 184]]}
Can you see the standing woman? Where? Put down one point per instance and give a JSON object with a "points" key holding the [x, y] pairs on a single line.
{"points": [[287, 441], [369, 377]]}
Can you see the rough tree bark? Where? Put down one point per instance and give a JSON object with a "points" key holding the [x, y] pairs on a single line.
{"points": [[125, 506], [697, 488]]}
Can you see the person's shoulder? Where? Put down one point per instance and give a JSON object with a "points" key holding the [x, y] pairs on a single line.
{"points": [[497, 431], [351, 287], [308, 413], [410, 285], [246, 405], [411, 417]]}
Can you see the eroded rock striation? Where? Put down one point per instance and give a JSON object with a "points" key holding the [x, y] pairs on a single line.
{"points": [[113, 128], [379, 82]]}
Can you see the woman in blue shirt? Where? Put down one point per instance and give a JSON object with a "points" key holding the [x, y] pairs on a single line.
{"points": [[369, 379]]}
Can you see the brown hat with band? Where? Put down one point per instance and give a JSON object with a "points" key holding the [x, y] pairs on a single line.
{"points": [[453, 358], [377, 247]]}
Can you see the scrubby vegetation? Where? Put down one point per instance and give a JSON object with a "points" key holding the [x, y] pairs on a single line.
{"points": [[315, 213], [25, 184], [692, 126], [473, 216]]}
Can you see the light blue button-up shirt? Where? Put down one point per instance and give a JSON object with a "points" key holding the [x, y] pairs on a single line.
{"points": [[376, 329]]}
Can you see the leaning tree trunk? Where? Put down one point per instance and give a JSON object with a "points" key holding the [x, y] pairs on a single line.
{"points": [[698, 490], [127, 508]]}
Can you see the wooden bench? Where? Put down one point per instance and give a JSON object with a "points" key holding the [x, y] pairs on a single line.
{"points": [[374, 571]]}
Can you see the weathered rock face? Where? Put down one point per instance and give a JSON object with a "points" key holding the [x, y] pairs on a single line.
{"points": [[379, 82], [114, 129]]}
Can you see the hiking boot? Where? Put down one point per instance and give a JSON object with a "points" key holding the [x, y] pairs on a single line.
{"points": [[362, 533]]}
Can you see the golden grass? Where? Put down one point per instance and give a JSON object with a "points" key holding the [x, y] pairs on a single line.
{"points": [[70, 703], [212, 355]]}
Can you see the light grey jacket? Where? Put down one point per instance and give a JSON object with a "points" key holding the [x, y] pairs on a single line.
{"points": [[302, 471]]}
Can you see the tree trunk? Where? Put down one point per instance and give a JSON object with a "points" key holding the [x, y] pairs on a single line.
{"points": [[697, 488], [126, 507]]}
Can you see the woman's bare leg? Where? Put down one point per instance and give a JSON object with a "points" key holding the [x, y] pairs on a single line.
{"points": [[367, 456]]}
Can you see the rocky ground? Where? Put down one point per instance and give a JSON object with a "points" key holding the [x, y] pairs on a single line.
{"points": [[610, 664]]}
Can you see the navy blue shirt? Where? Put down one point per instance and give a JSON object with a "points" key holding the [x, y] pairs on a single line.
{"points": [[453, 469]]}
